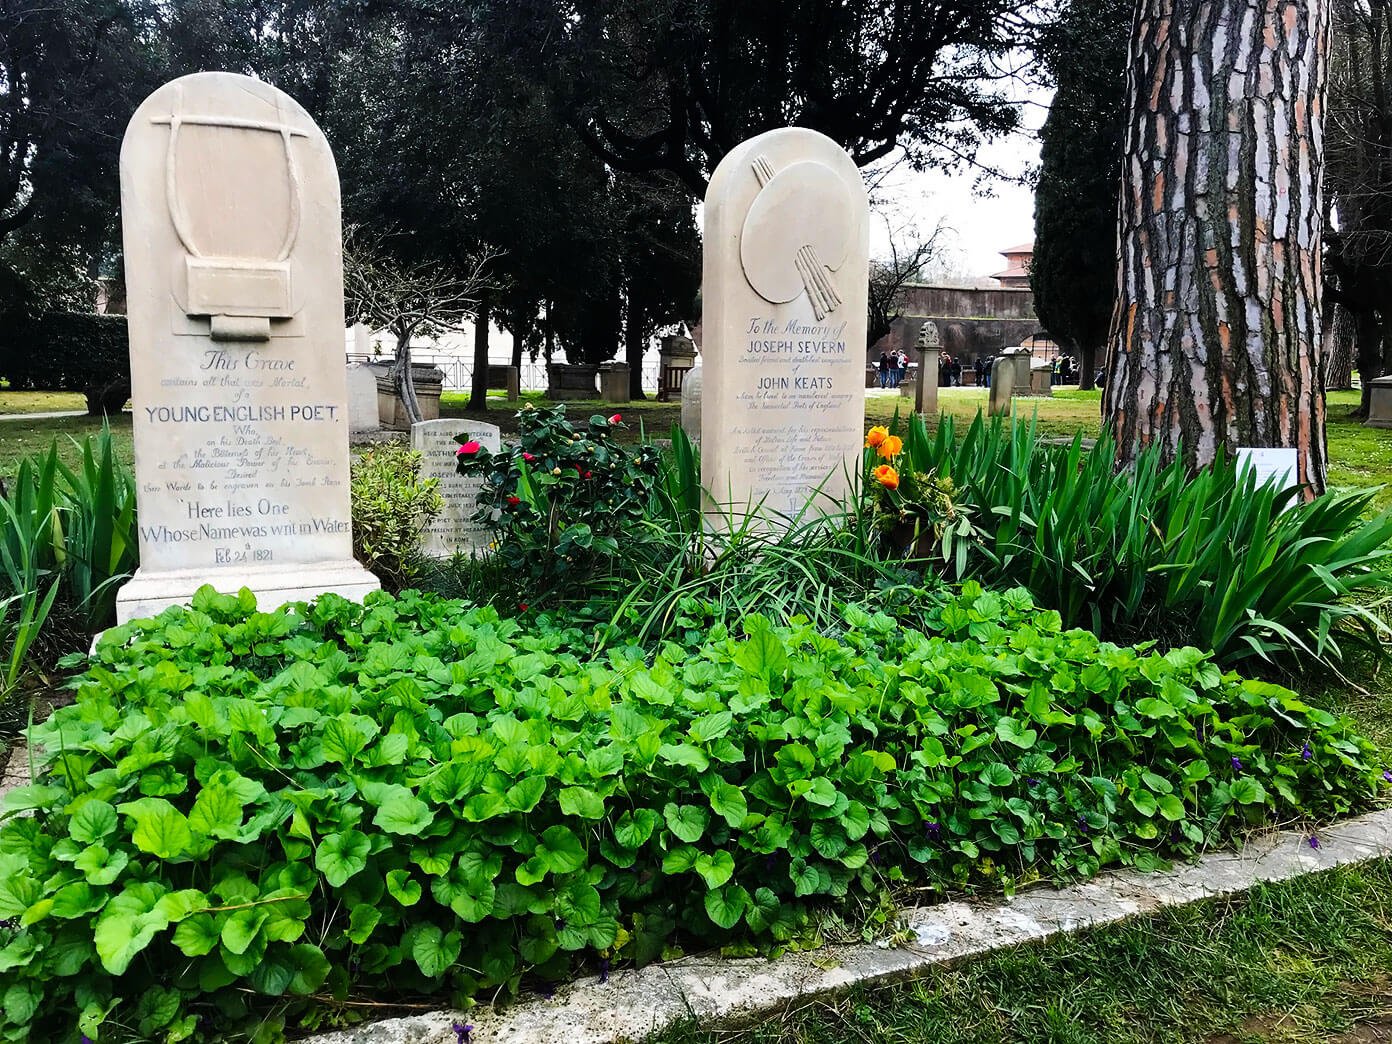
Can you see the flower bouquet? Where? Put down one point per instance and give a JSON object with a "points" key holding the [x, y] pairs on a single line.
{"points": [[913, 506]]}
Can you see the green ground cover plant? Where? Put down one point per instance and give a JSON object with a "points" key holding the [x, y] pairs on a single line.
{"points": [[246, 817]]}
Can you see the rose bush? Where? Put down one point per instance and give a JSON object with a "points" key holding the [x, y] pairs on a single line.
{"points": [[564, 502]]}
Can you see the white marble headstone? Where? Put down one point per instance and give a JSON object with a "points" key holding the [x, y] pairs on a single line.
{"points": [[234, 276], [453, 530], [783, 289]]}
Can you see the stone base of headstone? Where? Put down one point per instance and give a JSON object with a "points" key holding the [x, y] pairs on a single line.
{"points": [[1380, 403], [613, 381], [571, 381], [909, 389], [1041, 378], [147, 594], [391, 411]]}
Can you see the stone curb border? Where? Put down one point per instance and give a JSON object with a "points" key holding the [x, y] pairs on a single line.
{"points": [[633, 1005]]}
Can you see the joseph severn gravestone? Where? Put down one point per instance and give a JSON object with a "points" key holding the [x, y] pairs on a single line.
{"points": [[234, 273], [784, 283], [453, 531]]}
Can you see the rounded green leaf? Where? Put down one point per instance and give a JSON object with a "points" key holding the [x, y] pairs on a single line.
{"points": [[401, 812], [92, 822], [725, 906], [582, 802], [634, 828], [728, 802], [687, 822], [560, 850], [341, 855], [715, 869], [403, 889]]}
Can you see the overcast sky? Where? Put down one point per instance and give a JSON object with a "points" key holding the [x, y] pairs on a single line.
{"points": [[981, 216]]}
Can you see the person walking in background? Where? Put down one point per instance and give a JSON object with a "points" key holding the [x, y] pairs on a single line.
{"points": [[956, 373], [981, 372], [901, 365], [884, 369]]}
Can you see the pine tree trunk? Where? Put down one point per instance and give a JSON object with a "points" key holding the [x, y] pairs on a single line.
{"points": [[478, 391], [1215, 340], [1087, 367], [635, 342], [1338, 349]]}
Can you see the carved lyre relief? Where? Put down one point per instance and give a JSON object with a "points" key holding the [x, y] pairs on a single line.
{"points": [[237, 225], [797, 234]]}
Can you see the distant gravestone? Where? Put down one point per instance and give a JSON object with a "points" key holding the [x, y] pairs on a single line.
{"points": [[691, 403], [1002, 386], [234, 277], [784, 284], [362, 398], [453, 530]]}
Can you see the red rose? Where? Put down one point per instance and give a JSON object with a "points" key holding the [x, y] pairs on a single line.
{"points": [[528, 457], [616, 419], [468, 449], [514, 501], [522, 606], [589, 474]]}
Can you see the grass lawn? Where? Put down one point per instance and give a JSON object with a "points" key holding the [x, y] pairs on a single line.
{"points": [[1306, 960], [40, 402], [21, 438]]}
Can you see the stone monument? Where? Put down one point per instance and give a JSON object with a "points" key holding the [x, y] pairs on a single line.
{"points": [[926, 393], [691, 403], [233, 252], [1002, 386], [784, 284], [453, 530]]}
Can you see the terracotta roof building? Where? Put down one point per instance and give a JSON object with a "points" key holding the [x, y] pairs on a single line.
{"points": [[1017, 262]]}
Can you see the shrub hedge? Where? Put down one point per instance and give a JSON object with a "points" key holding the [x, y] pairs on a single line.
{"points": [[70, 351], [246, 816]]}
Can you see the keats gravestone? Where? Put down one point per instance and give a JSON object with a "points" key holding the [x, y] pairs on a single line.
{"points": [[234, 274], [453, 530], [784, 286]]}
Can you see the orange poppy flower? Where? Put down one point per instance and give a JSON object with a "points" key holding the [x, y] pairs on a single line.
{"points": [[887, 477], [890, 447], [876, 435]]}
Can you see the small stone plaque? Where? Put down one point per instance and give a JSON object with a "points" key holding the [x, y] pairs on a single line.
{"points": [[453, 531]]}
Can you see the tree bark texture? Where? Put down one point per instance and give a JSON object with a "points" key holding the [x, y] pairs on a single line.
{"points": [[1087, 367], [1216, 337], [478, 391], [1338, 349], [635, 343]]}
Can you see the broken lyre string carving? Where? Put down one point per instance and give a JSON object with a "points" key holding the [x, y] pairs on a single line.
{"points": [[821, 291]]}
